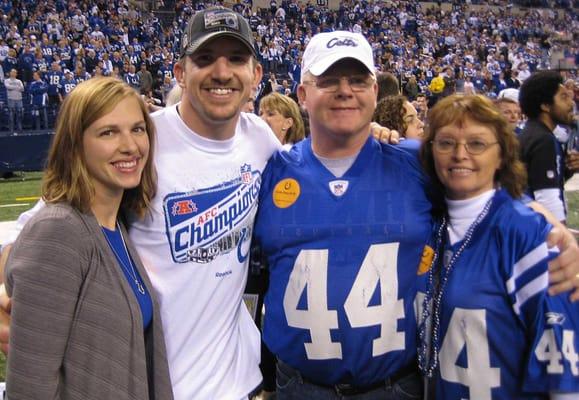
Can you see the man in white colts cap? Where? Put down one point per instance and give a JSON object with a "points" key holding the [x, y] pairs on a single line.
{"points": [[343, 220]]}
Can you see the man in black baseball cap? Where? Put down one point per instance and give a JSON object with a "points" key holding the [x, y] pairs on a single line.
{"points": [[217, 71], [212, 23], [209, 157]]}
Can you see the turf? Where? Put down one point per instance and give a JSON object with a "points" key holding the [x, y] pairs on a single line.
{"points": [[18, 194], [573, 209]]}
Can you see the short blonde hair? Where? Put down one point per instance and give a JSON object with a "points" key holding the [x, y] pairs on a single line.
{"points": [[66, 178], [287, 107]]}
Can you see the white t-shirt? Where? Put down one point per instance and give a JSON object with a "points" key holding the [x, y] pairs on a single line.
{"points": [[195, 249]]}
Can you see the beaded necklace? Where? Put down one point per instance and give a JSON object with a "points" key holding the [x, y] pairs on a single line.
{"points": [[428, 355]]}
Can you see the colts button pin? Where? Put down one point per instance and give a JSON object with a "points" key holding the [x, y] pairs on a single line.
{"points": [[286, 193], [426, 261]]}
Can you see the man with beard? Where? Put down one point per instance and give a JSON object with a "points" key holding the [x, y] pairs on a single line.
{"points": [[546, 102]]}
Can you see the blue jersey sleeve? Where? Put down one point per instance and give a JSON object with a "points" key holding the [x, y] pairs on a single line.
{"points": [[551, 322], [553, 357]]}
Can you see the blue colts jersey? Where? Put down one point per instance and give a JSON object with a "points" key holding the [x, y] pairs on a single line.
{"points": [[343, 256], [502, 336], [54, 79]]}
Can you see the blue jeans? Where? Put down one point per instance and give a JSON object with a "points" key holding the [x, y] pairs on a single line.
{"points": [[292, 386], [39, 113], [15, 114]]}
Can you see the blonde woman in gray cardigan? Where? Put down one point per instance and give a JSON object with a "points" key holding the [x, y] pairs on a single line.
{"points": [[85, 321]]}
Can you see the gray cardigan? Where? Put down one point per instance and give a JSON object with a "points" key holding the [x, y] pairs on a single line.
{"points": [[77, 330]]}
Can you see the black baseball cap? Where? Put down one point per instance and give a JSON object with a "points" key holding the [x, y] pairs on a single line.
{"points": [[212, 23]]}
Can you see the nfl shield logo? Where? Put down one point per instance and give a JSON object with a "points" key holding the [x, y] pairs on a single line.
{"points": [[245, 171], [339, 187]]}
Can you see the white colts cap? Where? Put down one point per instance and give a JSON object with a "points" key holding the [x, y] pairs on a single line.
{"points": [[327, 48]]}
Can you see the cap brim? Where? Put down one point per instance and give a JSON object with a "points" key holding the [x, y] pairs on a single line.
{"points": [[194, 46], [318, 68]]}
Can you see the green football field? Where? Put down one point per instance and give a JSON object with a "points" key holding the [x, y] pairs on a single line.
{"points": [[19, 193]]}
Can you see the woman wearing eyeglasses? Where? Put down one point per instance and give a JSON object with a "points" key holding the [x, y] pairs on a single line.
{"points": [[488, 328]]}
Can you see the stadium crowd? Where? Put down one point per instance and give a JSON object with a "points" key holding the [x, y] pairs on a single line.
{"points": [[54, 45]]}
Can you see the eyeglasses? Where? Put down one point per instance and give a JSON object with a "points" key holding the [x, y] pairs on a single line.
{"points": [[331, 84], [473, 146]]}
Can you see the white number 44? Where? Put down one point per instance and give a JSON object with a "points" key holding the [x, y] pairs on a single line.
{"points": [[310, 272], [468, 328], [548, 351]]}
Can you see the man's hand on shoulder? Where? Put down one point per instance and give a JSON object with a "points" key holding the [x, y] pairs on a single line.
{"points": [[384, 134], [564, 270]]}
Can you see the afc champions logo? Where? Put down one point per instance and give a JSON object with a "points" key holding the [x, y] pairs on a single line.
{"points": [[203, 224], [345, 41]]}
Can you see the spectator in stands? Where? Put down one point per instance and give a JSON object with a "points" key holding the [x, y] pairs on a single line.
{"points": [[411, 88], [40, 64], [166, 88], [469, 88], [387, 85], [99, 169], [116, 73], [91, 61], [282, 114], [284, 88], [546, 102], [421, 105], [436, 87], [4, 48], [396, 112], [133, 79], [10, 62], [508, 104], [39, 100], [107, 64], [68, 83], [80, 74], [449, 82], [54, 78], [145, 79], [14, 91], [174, 96], [26, 63], [523, 72]]}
